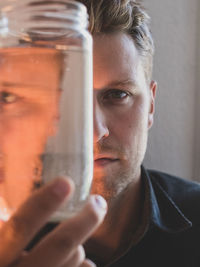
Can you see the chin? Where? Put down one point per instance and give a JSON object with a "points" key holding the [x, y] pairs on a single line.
{"points": [[110, 184]]}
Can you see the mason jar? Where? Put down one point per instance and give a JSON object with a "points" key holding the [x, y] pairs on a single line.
{"points": [[45, 101]]}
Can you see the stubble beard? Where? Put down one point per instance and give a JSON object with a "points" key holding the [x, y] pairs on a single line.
{"points": [[111, 185], [114, 181]]}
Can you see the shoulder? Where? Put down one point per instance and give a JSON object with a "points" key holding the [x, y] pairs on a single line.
{"points": [[184, 193], [173, 184]]}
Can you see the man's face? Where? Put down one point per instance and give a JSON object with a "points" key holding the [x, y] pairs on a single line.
{"points": [[28, 107], [123, 113]]}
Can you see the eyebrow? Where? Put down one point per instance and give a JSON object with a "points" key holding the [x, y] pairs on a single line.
{"points": [[130, 82], [12, 85]]}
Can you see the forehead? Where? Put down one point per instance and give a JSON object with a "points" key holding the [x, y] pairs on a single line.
{"points": [[20, 66], [115, 58]]}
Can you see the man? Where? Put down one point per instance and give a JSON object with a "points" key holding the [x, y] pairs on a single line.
{"points": [[152, 218]]}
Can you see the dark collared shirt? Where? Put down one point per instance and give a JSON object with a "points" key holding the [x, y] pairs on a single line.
{"points": [[172, 237]]}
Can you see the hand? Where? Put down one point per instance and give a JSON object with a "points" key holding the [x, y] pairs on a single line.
{"points": [[60, 248]]}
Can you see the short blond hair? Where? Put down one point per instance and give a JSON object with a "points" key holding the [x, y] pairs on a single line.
{"points": [[107, 16]]}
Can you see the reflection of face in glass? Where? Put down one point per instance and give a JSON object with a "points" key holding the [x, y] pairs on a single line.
{"points": [[29, 91]]}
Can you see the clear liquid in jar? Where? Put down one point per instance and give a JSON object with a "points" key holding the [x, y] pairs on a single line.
{"points": [[45, 124]]}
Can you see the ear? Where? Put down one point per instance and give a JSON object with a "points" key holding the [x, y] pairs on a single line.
{"points": [[153, 87]]}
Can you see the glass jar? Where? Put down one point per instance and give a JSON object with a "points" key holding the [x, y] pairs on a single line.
{"points": [[45, 100]]}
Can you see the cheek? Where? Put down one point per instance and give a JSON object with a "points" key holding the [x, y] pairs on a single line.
{"points": [[27, 134], [131, 122]]}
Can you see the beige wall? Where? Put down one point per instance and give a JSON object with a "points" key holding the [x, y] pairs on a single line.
{"points": [[174, 144]]}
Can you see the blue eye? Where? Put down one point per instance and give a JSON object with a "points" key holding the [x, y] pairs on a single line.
{"points": [[7, 98], [115, 95]]}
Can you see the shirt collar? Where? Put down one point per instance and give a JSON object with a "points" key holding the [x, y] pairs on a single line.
{"points": [[164, 213]]}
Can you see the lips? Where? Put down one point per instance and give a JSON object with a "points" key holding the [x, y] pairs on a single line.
{"points": [[101, 161]]}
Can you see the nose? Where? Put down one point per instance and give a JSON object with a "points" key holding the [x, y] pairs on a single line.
{"points": [[100, 128]]}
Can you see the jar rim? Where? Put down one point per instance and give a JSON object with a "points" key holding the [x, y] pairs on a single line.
{"points": [[43, 16], [78, 9], [6, 7]]}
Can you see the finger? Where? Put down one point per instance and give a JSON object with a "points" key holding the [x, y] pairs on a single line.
{"points": [[30, 217], [56, 248], [77, 258], [88, 263]]}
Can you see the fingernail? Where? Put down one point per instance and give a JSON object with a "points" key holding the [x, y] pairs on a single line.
{"points": [[100, 202], [91, 263], [60, 188]]}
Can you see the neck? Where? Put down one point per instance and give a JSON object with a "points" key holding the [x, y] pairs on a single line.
{"points": [[123, 218]]}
